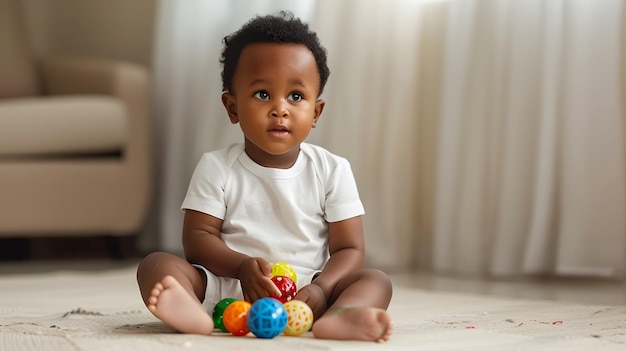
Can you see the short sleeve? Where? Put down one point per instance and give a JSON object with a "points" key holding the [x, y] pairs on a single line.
{"points": [[342, 196], [206, 188]]}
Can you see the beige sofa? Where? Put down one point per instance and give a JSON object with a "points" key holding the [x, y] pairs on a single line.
{"points": [[74, 141]]}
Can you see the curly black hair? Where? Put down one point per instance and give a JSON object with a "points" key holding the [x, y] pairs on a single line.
{"points": [[281, 28]]}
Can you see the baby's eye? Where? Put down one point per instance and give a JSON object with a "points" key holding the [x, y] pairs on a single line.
{"points": [[262, 95], [295, 97]]}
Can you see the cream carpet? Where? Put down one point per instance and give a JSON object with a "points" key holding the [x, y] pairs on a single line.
{"points": [[102, 310]]}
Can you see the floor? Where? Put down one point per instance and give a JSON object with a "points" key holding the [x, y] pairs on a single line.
{"points": [[579, 290], [93, 304], [587, 291]]}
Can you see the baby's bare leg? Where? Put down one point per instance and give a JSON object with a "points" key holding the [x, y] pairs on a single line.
{"points": [[172, 289], [358, 310]]}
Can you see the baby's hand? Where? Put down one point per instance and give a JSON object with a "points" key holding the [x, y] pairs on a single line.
{"points": [[314, 296], [254, 276]]}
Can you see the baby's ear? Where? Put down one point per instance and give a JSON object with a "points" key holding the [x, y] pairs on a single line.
{"points": [[230, 104], [319, 108]]}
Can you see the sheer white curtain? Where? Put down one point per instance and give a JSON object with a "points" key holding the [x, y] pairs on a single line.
{"points": [[530, 175], [486, 136]]}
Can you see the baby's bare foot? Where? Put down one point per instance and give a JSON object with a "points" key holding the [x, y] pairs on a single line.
{"points": [[171, 303], [359, 323]]}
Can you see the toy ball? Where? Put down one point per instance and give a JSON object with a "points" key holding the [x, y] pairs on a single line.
{"points": [[299, 318], [284, 269], [235, 318], [218, 312], [267, 318], [286, 286]]}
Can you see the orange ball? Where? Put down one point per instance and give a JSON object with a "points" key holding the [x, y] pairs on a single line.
{"points": [[235, 318]]}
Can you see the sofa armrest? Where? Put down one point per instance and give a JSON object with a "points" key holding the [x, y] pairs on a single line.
{"points": [[128, 82]]}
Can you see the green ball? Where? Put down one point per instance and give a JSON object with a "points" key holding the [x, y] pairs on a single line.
{"points": [[218, 312]]}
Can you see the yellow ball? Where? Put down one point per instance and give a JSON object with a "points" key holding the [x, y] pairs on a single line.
{"points": [[299, 318], [284, 269]]}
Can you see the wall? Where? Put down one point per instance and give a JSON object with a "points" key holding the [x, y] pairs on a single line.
{"points": [[118, 29]]}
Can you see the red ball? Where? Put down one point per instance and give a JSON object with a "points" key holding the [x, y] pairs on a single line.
{"points": [[286, 286]]}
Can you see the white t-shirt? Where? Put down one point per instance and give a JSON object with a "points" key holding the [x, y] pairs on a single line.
{"points": [[280, 215]]}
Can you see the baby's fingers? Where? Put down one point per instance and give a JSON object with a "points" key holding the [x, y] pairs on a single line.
{"points": [[256, 292], [271, 288], [266, 267]]}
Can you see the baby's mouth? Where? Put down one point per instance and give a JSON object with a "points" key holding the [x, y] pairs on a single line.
{"points": [[279, 131]]}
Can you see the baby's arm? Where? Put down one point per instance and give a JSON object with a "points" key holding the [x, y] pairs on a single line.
{"points": [[203, 245], [347, 250]]}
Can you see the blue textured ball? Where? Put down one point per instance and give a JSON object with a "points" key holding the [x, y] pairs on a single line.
{"points": [[267, 318]]}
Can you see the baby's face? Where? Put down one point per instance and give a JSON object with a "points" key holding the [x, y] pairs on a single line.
{"points": [[274, 100]]}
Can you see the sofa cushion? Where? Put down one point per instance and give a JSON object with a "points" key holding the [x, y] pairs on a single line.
{"points": [[43, 127]]}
